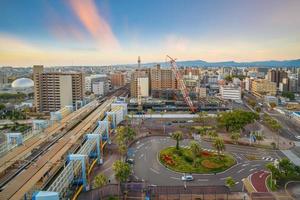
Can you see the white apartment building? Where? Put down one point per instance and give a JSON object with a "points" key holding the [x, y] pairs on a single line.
{"points": [[230, 92]]}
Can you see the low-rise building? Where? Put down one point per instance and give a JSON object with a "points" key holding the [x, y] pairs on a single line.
{"points": [[230, 92]]}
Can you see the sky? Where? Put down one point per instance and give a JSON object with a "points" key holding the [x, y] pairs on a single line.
{"points": [[105, 32]]}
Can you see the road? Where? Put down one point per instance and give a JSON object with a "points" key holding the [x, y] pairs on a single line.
{"points": [[148, 168], [290, 129]]}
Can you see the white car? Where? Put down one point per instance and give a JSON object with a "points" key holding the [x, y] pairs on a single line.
{"points": [[187, 178], [298, 137]]}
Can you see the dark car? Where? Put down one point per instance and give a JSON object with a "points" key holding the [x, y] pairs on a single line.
{"points": [[130, 161]]}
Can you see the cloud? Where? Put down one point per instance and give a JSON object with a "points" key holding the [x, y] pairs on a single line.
{"points": [[97, 26], [176, 43]]}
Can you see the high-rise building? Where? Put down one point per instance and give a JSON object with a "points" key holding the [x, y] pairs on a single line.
{"points": [[144, 83], [276, 76], [161, 79], [118, 79], [262, 87], [55, 90]]}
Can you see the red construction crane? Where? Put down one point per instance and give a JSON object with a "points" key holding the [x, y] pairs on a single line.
{"points": [[181, 84]]}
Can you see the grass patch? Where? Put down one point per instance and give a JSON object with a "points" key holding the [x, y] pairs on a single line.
{"points": [[272, 187], [183, 161]]}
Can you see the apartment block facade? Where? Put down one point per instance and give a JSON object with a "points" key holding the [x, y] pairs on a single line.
{"points": [[262, 87], [55, 90], [118, 79]]}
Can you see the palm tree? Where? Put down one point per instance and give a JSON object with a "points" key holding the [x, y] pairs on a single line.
{"points": [[212, 134], [150, 111], [235, 136], [219, 145], [177, 135], [229, 182], [196, 150]]}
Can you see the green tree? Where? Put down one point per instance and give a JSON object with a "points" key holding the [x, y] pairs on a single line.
{"points": [[235, 136], [202, 131], [2, 106], [219, 145], [100, 180], [212, 134], [275, 173], [228, 78], [197, 162], [272, 105], [252, 103], [236, 120], [125, 134], [202, 118], [122, 170], [150, 111], [258, 109], [289, 95], [177, 135], [196, 150], [287, 167], [229, 182]]}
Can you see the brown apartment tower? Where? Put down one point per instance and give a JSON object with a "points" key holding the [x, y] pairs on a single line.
{"points": [[162, 79], [54, 90]]}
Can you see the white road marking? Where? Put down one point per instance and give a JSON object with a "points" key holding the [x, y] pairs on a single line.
{"points": [[237, 183], [223, 178], [175, 178], [244, 165], [154, 170], [256, 165], [240, 171], [202, 180], [141, 156], [252, 169]]}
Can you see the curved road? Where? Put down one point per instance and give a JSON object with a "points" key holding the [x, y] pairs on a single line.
{"points": [[148, 168]]}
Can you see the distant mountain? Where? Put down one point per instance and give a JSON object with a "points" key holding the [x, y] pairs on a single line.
{"points": [[201, 63]]}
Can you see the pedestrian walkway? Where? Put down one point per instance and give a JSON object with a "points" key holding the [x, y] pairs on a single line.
{"points": [[258, 180], [294, 158]]}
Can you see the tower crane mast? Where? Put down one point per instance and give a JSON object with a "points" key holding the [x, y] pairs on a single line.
{"points": [[181, 85]]}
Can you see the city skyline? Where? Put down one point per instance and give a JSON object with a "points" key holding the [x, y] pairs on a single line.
{"points": [[71, 32]]}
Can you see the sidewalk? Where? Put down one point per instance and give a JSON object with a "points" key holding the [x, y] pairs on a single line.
{"points": [[258, 180], [294, 158]]}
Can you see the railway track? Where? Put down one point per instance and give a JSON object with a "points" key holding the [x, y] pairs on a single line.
{"points": [[28, 175], [34, 143]]}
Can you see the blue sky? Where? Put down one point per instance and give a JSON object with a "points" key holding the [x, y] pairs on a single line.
{"points": [[96, 32]]}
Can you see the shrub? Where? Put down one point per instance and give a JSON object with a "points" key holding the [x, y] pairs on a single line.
{"points": [[188, 159], [210, 164], [206, 154]]}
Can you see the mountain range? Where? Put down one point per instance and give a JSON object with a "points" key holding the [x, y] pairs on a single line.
{"points": [[201, 63]]}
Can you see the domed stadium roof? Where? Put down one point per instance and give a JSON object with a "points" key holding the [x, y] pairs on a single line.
{"points": [[22, 83]]}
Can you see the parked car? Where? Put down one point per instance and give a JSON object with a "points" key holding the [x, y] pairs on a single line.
{"points": [[130, 161]]}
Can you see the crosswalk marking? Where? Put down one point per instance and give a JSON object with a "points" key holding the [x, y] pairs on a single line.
{"points": [[269, 159]]}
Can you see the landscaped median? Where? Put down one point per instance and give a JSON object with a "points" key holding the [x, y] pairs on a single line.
{"points": [[183, 160]]}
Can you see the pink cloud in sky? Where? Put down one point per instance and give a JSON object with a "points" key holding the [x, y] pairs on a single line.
{"points": [[97, 26]]}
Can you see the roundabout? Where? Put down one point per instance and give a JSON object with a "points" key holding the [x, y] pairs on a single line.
{"points": [[183, 160], [148, 168]]}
